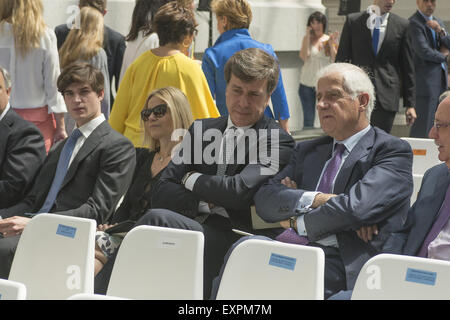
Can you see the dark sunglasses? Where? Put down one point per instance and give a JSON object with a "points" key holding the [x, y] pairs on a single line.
{"points": [[159, 111]]}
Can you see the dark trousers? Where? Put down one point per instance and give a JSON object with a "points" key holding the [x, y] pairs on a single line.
{"points": [[382, 119], [425, 109], [8, 248], [218, 239], [335, 280], [308, 100]]}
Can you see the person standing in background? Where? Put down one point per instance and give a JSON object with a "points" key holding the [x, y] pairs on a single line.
{"points": [[318, 50], [28, 51]]}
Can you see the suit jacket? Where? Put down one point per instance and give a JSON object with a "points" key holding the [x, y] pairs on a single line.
{"points": [[234, 191], [424, 211], [392, 69], [22, 152], [114, 45], [427, 57], [98, 176], [373, 186]]}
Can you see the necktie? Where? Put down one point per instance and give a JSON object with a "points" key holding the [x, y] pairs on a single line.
{"points": [[291, 236], [441, 220], [228, 145], [375, 39], [61, 170], [330, 172]]}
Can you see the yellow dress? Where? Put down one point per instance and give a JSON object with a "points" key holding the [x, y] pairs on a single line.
{"points": [[150, 72]]}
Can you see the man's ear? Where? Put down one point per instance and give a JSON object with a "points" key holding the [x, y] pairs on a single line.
{"points": [[363, 100], [101, 95]]}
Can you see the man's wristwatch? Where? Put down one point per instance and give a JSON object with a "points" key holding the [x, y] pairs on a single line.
{"points": [[293, 223], [186, 176]]}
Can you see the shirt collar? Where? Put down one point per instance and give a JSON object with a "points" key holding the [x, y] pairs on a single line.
{"points": [[231, 124], [231, 34], [353, 140], [426, 17], [2, 115], [87, 128]]}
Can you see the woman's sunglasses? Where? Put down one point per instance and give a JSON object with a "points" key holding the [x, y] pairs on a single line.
{"points": [[159, 111]]}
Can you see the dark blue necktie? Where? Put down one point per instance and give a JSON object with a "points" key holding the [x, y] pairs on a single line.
{"points": [[61, 170], [375, 40]]}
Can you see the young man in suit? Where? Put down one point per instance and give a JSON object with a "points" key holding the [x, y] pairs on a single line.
{"points": [[22, 149], [85, 175], [431, 44], [335, 186], [200, 191], [429, 235], [385, 52], [113, 43]]}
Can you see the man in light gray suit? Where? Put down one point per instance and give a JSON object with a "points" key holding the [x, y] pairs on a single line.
{"points": [[335, 187]]}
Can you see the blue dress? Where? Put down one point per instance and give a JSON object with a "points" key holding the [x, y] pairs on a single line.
{"points": [[213, 65]]}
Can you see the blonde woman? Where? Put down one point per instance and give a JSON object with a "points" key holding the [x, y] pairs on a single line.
{"points": [[86, 43], [165, 110], [28, 51], [161, 67]]}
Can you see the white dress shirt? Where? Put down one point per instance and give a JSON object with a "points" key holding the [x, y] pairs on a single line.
{"points": [[381, 23], [33, 76]]}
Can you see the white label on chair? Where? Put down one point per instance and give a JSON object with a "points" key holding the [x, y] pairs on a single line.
{"points": [[168, 243], [277, 260], [74, 280], [421, 276], [66, 231]]}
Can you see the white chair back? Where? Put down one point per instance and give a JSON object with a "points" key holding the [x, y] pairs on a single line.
{"points": [[159, 263], [90, 296], [272, 270], [398, 277], [12, 290], [55, 257], [425, 154]]}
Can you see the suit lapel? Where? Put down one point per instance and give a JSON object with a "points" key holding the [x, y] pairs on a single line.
{"points": [[361, 150], [315, 162], [367, 35], [89, 145], [388, 35], [5, 132]]}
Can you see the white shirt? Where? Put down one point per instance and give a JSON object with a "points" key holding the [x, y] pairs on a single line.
{"points": [[34, 76], [86, 130], [381, 23], [4, 111]]}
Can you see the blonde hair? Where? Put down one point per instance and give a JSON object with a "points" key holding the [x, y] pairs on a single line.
{"points": [[180, 111], [27, 22], [85, 42], [238, 12]]}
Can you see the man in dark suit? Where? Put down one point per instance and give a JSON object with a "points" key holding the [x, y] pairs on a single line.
{"points": [[22, 149], [85, 175], [113, 43], [430, 43], [429, 234], [385, 52], [200, 191], [336, 186]]}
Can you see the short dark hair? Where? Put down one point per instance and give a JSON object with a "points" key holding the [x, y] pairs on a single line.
{"points": [[173, 22], [81, 72], [100, 5], [319, 17], [253, 64]]}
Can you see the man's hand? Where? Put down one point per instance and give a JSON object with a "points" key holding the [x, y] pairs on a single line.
{"points": [[411, 116], [60, 131], [366, 233], [321, 199], [433, 24], [289, 183], [13, 226]]}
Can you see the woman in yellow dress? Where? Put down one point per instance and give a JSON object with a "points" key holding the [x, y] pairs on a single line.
{"points": [[161, 67]]}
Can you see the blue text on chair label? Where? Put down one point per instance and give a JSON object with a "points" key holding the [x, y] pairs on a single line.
{"points": [[277, 260], [66, 231], [421, 276]]}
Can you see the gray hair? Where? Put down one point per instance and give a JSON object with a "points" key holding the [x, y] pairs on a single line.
{"points": [[356, 81], [6, 76], [444, 95]]}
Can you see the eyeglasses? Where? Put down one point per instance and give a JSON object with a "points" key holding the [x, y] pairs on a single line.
{"points": [[440, 125], [159, 111]]}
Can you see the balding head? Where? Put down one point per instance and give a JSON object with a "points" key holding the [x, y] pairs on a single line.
{"points": [[440, 132]]}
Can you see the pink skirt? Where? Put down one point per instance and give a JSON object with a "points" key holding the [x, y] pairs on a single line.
{"points": [[43, 120]]}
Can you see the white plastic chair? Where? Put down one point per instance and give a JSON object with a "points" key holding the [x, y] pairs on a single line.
{"points": [[417, 180], [272, 270], [90, 296], [159, 263], [425, 154], [398, 277], [55, 257], [12, 290]]}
